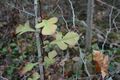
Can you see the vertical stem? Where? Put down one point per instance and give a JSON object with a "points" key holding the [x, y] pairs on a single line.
{"points": [[84, 62], [90, 10], [73, 12], [38, 41], [110, 28]]}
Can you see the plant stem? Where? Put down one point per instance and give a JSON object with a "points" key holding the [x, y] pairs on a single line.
{"points": [[84, 62], [88, 37], [38, 41]]}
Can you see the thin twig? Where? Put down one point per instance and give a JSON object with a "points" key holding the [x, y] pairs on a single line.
{"points": [[54, 8], [84, 62], [73, 13], [63, 17], [115, 22], [24, 11], [110, 28], [104, 3]]}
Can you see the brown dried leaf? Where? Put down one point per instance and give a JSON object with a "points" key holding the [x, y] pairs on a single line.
{"points": [[101, 62]]}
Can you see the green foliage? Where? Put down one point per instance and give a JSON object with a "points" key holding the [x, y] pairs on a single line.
{"points": [[35, 76], [50, 59], [24, 28], [28, 67], [49, 26], [71, 38]]}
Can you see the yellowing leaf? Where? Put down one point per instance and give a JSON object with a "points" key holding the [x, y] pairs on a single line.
{"points": [[49, 30], [71, 38], [52, 54], [59, 36], [62, 45], [24, 28], [27, 67], [49, 26], [53, 20]]}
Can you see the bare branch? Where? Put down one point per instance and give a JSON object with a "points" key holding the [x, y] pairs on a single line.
{"points": [[115, 22], [63, 17], [102, 2], [110, 28]]}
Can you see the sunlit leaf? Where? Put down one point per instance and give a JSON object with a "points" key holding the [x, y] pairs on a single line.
{"points": [[71, 38], [49, 26], [53, 20], [62, 45], [49, 30], [24, 28]]}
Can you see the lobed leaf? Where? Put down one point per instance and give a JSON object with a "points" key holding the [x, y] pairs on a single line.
{"points": [[71, 38], [49, 26], [24, 28]]}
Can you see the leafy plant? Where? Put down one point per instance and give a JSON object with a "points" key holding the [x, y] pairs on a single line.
{"points": [[35, 76], [71, 38], [24, 28], [49, 26], [50, 59]]}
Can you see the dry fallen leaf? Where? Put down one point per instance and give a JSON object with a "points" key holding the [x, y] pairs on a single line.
{"points": [[101, 62]]}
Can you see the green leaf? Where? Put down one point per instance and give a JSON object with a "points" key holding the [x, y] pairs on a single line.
{"points": [[62, 45], [35, 76], [40, 25], [49, 26], [50, 59], [29, 79], [52, 54], [24, 28], [28, 67], [70, 39]]}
